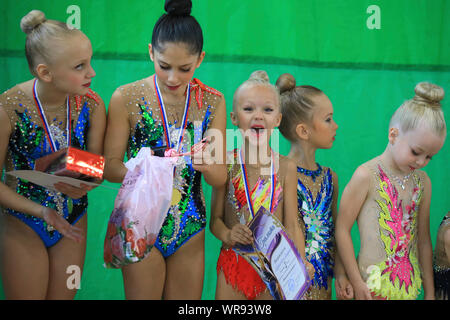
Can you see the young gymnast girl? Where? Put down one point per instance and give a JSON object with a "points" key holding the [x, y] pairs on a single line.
{"points": [[256, 112], [309, 125], [390, 196], [54, 110], [170, 109]]}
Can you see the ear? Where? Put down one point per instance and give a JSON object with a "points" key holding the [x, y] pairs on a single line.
{"points": [[302, 131], [278, 121], [150, 51], [234, 119], [200, 59], [43, 73], [393, 134]]}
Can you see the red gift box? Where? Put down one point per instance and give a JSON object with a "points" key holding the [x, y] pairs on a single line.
{"points": [[72, 162]]}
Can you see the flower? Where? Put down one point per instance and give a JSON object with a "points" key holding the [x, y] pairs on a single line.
{"points": [[117, 246], [140, 247]]}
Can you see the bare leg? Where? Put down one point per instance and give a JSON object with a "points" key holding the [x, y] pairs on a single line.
{"points": [[144, 280], [23, 261], [63, 254], [185, 270]]}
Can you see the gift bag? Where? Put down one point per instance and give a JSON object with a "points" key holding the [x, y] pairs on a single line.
{"points": [[140, 208]]}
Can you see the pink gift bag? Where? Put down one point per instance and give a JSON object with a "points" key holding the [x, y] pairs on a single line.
{"points": [[140, 207]]}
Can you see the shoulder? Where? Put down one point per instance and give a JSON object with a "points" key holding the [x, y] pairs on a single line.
{"points": [[361, 178], [206, 95], [232, 158], [132, 88], [8, 94]]}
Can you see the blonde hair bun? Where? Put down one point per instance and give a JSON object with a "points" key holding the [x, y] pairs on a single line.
{"points": [[285, 82], [32, 20], [259, 75], [429, 94]]}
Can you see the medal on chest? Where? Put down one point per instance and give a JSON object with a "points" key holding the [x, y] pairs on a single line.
{"points": [[177, 183]]}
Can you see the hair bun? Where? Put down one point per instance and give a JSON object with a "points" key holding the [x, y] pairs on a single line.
{"points": [[428, 93], [285, 82], [259, 75], [32, 20], [178, 7]]}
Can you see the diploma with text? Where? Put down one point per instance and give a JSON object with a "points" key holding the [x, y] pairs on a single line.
{"points": [[275, 258]]}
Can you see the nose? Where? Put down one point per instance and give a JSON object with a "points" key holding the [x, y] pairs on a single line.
{"points": [[91, 72], [335, 125], [258, 115], [421, 161], [172, 77]]}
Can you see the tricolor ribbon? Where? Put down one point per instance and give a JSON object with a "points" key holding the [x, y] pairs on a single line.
{"points": [[44, 119], [198, 87], [164, 115], [247, 190]]}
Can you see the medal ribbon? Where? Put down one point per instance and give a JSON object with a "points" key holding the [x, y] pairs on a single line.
{"points": [[247, 190], [44, 119], [164, 115]]}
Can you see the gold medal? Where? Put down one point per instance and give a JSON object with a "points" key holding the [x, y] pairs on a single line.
{"points": [[176, 197]]}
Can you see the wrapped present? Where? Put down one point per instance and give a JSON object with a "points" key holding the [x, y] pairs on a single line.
{"points": [[72, 162]]}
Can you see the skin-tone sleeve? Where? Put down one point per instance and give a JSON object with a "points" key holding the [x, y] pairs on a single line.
{"points": [[424, 241], [116, 138], [353, 198]]}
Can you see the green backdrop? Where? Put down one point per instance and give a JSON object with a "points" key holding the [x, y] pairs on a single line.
{"points": [[367, 73]]}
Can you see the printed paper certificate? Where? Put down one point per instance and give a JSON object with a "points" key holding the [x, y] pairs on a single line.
{"points": [[275, 258]]}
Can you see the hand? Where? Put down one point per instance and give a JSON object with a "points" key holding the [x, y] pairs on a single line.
{"points": [[343, 287], [310, 268], [71, 191], [240, 233], [361, 291], [201, 158], [59, 223]]}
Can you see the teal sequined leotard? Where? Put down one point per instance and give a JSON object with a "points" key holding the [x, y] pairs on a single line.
{"points": [[188, 217], [28, 142]]}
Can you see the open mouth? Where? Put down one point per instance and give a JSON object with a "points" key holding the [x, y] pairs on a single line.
{"points": [[257, 130], [87, 85]]}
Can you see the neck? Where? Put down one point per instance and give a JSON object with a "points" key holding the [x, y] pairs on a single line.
{"points": [[259, 155], [388, 162], [304, 155], [49, 96]]}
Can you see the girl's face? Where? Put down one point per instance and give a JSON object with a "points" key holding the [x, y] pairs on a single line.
{"points": [[175, 67], [71, 71], [323, 128], [256, 114], [415, 148]]}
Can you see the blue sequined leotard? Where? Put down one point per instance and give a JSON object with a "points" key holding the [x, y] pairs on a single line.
{"points": [[28, 142], [315, 215], [188, 217]]}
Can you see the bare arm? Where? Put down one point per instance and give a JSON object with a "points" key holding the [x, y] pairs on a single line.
{"points": [[352, 200], [213, 167], [238, 234], [116, 138], [424, 241], [343, 286]]}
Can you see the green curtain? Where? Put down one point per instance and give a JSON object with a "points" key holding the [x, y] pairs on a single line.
{"points": [[367, 73]]}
